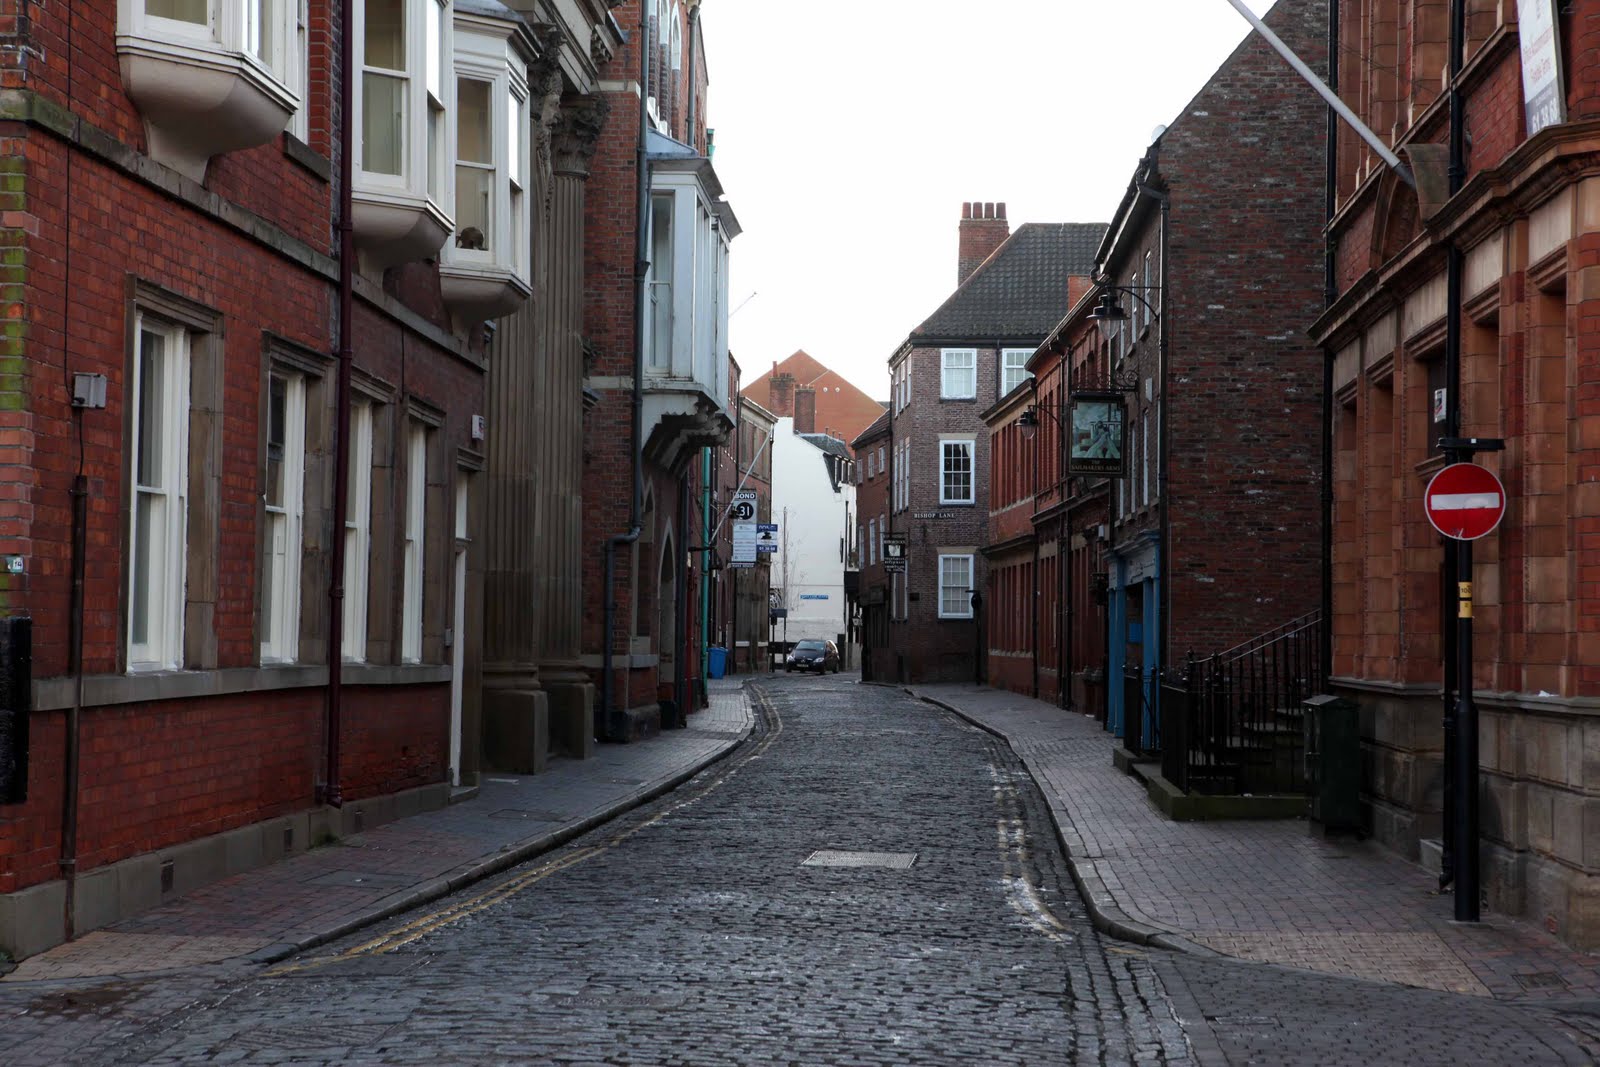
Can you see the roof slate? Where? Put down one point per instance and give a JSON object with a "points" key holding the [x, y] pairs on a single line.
{"points": [[828, 444], [1021, 290], [881, 426]]}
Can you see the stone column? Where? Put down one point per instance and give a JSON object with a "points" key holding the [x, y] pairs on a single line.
{"points": [[559, 429], [516, 708]]}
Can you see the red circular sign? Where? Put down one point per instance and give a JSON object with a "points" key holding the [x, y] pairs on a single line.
{"points": [[1465, 501]]}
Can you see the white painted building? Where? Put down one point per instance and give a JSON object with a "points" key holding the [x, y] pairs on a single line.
{"points": [[814, 506]]}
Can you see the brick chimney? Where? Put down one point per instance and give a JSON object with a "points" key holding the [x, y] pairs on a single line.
{"points": [[983, 229], [805, 410], [782, 395]]}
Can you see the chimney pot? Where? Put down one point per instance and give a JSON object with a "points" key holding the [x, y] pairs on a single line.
{"points": [[966, 210]]}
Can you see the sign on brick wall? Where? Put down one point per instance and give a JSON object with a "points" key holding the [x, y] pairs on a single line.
{"points": [[1544, 95]]}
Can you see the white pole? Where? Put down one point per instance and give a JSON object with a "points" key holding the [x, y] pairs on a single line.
{"points": [[1327, 94]]}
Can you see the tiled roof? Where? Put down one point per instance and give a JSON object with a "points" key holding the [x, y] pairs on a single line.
{"points": [[829, 444], [1021, 290], [877, 428]]}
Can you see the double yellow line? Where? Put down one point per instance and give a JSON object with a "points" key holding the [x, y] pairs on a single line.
{"points": [[421, 927]]}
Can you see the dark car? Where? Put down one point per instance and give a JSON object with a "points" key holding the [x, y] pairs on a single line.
{"points": [[819, 656]]}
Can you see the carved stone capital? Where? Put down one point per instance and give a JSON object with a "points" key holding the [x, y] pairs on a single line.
{"points": [[577, 134], [600, 50]]}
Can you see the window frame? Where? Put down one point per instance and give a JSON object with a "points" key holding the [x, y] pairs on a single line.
{"points": [[942, 588], [279, 618], [414, 531], [356, 543], [945, 369], [165, 598], [970, 444], [1022, 368]]}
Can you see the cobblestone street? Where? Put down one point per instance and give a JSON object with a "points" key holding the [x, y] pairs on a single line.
{"points": [[936, 922]]}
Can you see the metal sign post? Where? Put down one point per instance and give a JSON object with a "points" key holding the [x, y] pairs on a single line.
{"points": [[1465, 502]]}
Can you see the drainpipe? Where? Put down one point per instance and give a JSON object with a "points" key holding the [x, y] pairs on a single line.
{"points": [[640, 266], [680, 611], [68, 860], [332, 791], [694, 55], [1066, 611], [706, 466], [1330, 293]]}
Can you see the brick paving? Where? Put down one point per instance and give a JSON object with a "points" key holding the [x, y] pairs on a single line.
{"points": [[327, 892], [1273, 891]]}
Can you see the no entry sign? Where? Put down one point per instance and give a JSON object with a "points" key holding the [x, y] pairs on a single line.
{"points": [[1465, 501]]}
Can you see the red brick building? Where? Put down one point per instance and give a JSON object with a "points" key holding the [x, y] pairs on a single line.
{"points": [[178, 431], [658, 369], [874, 581], [1207, 382], [837, 407], [1012, 289], [1526, 222]]}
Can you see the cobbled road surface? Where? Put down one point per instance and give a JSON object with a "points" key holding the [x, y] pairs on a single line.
{"points": [[694, 932]]}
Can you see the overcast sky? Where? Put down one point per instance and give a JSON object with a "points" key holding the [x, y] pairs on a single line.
{"points": [[849, 135]]}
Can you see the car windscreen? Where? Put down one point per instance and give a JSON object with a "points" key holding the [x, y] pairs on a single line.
{"points": [[809, 646]]}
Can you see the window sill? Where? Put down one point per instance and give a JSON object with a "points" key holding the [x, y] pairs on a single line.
{"points": [[198, 100], [478, 294], [99, 690], [393, 226], [958, 400], [308, 157]]}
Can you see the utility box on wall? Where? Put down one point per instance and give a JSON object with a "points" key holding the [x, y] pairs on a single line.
{"points": [[1333, 762]]}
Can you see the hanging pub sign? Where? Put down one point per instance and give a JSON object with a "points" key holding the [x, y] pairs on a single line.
{"points": [[1099, 438], [1544, 96]]}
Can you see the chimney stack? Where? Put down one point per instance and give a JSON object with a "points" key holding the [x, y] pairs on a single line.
{"points": [[783, 395], [983, 229], [805, 410]]}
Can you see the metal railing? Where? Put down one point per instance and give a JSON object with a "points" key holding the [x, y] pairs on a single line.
{"points": [[1232, 721]]}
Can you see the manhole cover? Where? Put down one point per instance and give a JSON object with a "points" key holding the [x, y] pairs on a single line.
{"points": [[1541, 980], [897, 861]]}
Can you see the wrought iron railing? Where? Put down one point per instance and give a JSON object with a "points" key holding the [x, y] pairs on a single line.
{"points": [[1231, 722]]}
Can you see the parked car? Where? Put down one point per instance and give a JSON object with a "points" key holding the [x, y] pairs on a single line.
{"points": [[820, 656]]}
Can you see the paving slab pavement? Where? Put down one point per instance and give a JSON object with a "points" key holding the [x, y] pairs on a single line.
{"points": [[325, 893], [1277, 891]]}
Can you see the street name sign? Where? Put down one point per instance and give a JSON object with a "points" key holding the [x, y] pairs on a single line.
{"points": [[1465, 501]]}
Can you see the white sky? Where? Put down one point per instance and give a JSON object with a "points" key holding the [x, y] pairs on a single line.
{"points": [[848, 135]]}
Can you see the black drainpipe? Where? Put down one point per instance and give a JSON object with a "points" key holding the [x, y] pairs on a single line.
{"points": [[1330, 293], [68, 860], [332, 792], [608, 730], [694, 36]]}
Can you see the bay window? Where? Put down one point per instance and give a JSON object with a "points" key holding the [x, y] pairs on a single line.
{"points": [[484, 271], [211, 76], [402, 107]]}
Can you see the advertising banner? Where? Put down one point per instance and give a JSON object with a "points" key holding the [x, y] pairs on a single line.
{"points": [[1544, 94]]}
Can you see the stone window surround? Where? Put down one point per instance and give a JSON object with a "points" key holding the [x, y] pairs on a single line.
{"points": [[103, 690], [282, 356], [198, 643]]}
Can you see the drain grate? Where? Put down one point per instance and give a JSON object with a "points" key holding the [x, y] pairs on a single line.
{"points": [[1541, 980], [895, 861]]}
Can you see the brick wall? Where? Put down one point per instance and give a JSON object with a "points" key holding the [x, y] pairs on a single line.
{"points": [[1245, 278], [933, 648], [82, 216]]}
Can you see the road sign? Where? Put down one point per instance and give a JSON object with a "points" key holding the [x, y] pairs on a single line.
{"points": [[744, 506], [894, 554], [1465, 501], [744, 545]]}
